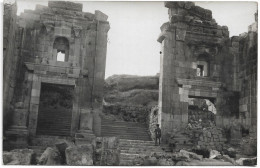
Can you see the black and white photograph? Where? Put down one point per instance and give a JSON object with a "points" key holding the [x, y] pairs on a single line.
{"points": [[129, 83]]}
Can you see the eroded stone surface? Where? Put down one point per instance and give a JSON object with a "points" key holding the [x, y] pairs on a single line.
{"points": [[79, 155], [50, 156], [18, 157]]}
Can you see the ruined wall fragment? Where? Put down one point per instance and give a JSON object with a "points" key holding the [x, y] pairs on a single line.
{"points": [[190, 40], [10, 59]]}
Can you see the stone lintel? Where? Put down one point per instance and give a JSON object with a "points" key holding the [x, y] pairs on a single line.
{"points": [[198, 82], [53, 68]]}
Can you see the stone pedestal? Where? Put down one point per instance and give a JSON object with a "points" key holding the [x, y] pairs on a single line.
{"points": [[85, 134], [17, 134], [85, 137], [17, 137]]}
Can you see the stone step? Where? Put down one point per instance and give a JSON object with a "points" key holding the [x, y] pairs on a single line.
{"points": [[136, 145], [132, 137], [124, 132], [139, 147], [124, 128], [55, 125], [112, 132], [129, 156], [60, 133], [135, 141], [120, 123], [121, 133], [143, 151]]}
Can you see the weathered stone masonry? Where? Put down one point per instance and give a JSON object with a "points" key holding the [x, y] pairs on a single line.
{"points": [[10, 59], [60, 27], [199, 60]]}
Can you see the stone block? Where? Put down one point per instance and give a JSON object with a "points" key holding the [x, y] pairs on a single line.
{"points": [[50, 157], [180, 34], [18, 157], [100, 15], [79, 155], [66, 5], [35, 99]]}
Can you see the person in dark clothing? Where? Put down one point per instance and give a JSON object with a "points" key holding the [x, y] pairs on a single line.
{"points": [[157, 134]]}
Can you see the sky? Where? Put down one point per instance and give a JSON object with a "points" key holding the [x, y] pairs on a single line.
{"points": [[135, 26]]}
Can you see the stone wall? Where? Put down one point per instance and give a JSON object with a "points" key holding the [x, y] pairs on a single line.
{"points": [[10, 59], [153, 121], [210, 139], [247, 76]]}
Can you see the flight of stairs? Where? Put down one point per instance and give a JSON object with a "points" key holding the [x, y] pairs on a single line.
{"points": [[131, 149], [124, 130], [56, 122], [134, 139]]}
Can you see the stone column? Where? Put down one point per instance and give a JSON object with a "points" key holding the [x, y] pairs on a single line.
{"points": [[17, 134], [173, 114], [18, 131], [34, 104]]}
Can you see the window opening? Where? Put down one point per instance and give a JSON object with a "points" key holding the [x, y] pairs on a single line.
{"points": [[61, 55], [200, 70]]}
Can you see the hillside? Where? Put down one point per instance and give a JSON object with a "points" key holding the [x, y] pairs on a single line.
{"points": [[131, 90]]}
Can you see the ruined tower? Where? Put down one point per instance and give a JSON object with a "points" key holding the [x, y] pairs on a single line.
{"points": [[63, 56], [199, 60]]}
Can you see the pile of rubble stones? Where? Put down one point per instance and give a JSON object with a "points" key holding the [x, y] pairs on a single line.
{"points": [[187, 158]]}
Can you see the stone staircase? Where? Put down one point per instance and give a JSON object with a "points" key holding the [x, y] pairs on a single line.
{"points": [[131, 149], [124, 130], [134, 139], [55, 122]]}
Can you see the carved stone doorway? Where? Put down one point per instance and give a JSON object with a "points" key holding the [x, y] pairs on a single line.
{"points": [[55, 110]]}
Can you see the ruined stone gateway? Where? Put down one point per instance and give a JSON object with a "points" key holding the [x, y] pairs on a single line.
{"points": [[61, 54], [55, 111], [199, 60]]}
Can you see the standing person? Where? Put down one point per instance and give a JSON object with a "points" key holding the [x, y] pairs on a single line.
{"points": [[157, 134]]}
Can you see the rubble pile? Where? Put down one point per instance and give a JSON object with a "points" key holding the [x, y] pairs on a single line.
{"points": [[200, 118]]}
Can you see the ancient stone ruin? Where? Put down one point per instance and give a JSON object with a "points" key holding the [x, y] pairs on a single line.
{"points": [[58, 88], [58, 111], [200, 61]]}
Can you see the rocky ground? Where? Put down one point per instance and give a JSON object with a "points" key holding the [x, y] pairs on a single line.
{"points": [[106, 152]]}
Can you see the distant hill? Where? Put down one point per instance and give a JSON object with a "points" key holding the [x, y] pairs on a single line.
{"points": [[132, 90]]}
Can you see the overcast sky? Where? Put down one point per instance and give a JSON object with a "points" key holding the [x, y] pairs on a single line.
{"points": [[132, 39]]}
